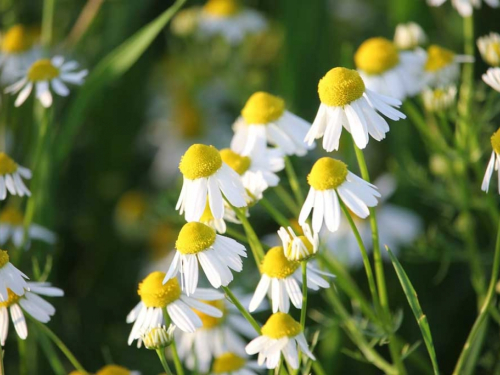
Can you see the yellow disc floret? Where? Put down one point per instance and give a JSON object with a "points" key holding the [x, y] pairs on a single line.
{"points": [[281, 325], [438, 58], [200, 161], [12, 298], [327, 173], [495, 141], [210, 321], [227, 363], [154, 293], [7, 165], [262, 108], [4, 258], [113, 370], [221, 8], [340, 86], [194, 237], [11, 215], [238, 163], [42, 70], [276, 265], [17, 39], [376, 56]]}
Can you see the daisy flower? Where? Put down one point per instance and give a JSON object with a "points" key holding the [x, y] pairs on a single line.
{"points": [[439, 99], [489, 47], [264, 119], [330, 180], [230, 363], [11, 279], [116, 370], [300, 247], [158, 337], [31, 303], [12, 228], [492, 78], [280, 335], [409, 36], [494, 163], [208, 218], [345, 102], [217, 255], [156, 296], [280, 278], [227, 19], [465, 7], [442, 66], [205, 174], [44, 74], [10, 177], [387, 71]]}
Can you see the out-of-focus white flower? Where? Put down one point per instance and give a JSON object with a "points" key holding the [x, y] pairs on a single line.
{"points": [[465, 7], [300, 247], [230, 363], [11, 175], [494, 163], [439, 99], [492, 78], [409, 36], [11, 279], [442, 66], [489, 47]]}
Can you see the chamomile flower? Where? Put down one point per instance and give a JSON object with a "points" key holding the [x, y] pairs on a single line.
{"points": [[264, 119], [280, 335], [217, 255], [230, 363], [11, 279], [386, 71], [346, 102], [299, 247], [208, 218], [465, 7], [229, 20], [494, 163], [439, 99], [409, 36], [489, 47], [329, 181], [45, 74], [158, 337], [492, 78], [442, 66], [12, 228], [156, 296], [116, 370], [280, 278], [11, 175], [31, 303], [205, 174]]}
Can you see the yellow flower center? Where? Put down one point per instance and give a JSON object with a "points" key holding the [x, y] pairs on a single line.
{"points": [[4, 258], [262, 108], [7, 165], [281, 325], [42, 70], [12, 299], [227, 362], [194, 237], [327, 173], [17, 39], [132, 206], [438, 58], [221, 8], [206, 216], [340, 86], [495, 141], [309, 246], [376, 55], [238, 163], [113, 370], [200, 161], [154, 293], [12, 216], [210, 321], [276, 265]]}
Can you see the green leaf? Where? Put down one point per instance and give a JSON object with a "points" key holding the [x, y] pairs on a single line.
{"points": [[51, 355], [109, 69], [411, 295]]}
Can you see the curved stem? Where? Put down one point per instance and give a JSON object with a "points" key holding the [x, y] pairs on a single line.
{"points": [[275, 214], [242, 309], [303, 311], [47, 22], [179, 370], [287, 199], [163, 360], [294, 181]]}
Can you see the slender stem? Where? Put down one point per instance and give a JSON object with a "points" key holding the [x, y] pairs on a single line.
{"points": [[287, 199], [23, 361], [236, 235], [2, 371], [179, 370], [483, 314], [87, 15], [318, 369], [163, 360], [275, 214], [47, 22], [303, 311], [242, 309], [294, 181]]}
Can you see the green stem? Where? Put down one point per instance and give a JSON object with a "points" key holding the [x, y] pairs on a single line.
{"points": [[287, 199], [275, 214], [179, 370], [23, 362], [2, 371], [294, 181], [163, 360], [483, 314], [318, 369], [236, 235], [242, 309], [47, 22], [303, 311]]}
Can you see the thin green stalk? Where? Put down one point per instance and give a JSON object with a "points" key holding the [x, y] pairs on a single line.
{"points": [[287, 199], [318, 369], [303, 311], [294, 181], [47, 22], [163, 360], [275, 214], [483, 314], [2, 371], [236, 235], [242, 309], [23, 362], [179, 370]]}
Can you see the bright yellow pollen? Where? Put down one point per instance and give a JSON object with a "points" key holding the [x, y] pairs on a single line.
{"points": [[113, 370], [276, 265], [42, 70], [12, 299], [238, 163], [327, 173], [438, 58], [12, 216], [221, 8], [340, 86], [154, 293], [262, 108], [194, 237], [227, 362], [309, 246], [4, 258], [7, 165], [17, 39], [200, 161], [495, 141], [210, 321], [376, 55], [281, 325]]}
